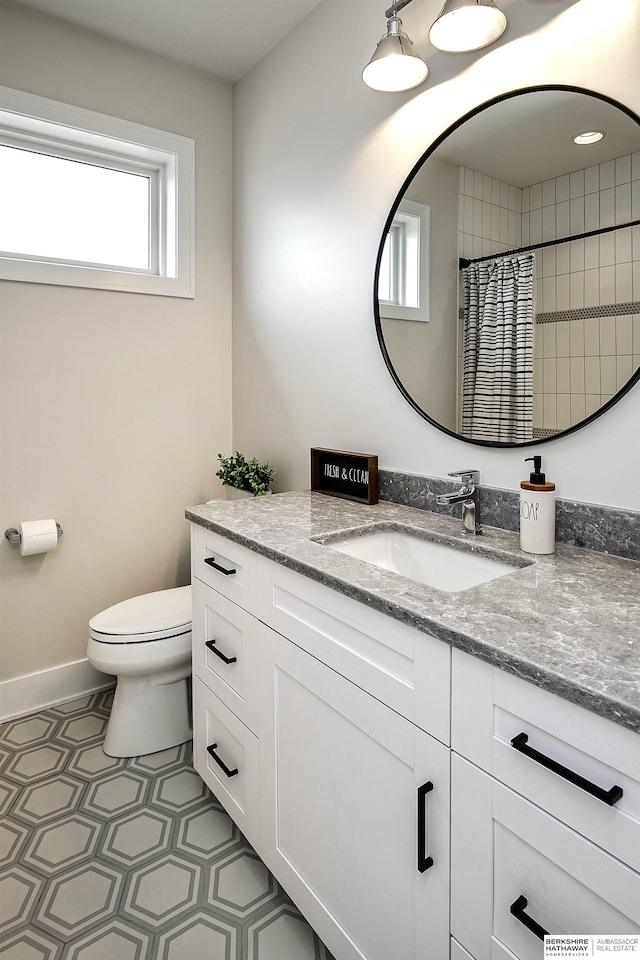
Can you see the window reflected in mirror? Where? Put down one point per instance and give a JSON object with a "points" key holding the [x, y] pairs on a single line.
{"points": [[403, 279]]}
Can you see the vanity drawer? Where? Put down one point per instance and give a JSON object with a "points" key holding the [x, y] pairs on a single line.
{"points": [[504, 848], [226, 755], [225, 652], [491, 708], [223, 565], [407, 670]]}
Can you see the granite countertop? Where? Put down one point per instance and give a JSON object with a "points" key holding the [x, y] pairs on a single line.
{"points": [[568, 622]]}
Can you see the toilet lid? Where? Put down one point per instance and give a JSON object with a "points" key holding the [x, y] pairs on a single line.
{"points": [[151, 616]]}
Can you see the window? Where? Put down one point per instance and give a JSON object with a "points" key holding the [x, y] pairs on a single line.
{"points": [[403, 280], [88, 200]]}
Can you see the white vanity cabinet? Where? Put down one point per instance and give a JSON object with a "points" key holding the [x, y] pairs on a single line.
{"points": [[416, 802], [327, 721], [545, 817]]}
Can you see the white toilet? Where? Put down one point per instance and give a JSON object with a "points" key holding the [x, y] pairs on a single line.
{"points": [[146, 643]]}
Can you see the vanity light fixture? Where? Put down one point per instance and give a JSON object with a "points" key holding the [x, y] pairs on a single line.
{"points": [[461, 25], [464, 25], [589, 136], [395, 65]]}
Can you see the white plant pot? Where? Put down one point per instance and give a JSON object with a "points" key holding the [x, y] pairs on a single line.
{"points": [[233, 493]]}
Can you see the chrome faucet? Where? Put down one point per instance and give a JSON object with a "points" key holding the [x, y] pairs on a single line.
{"points": [[467, 495]]}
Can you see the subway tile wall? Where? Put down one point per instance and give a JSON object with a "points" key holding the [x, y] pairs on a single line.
{"points": [[580, 363], [587, 298], [489, 215], [596, 271]]}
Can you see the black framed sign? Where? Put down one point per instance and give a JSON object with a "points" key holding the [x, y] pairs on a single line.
{"points": [[341, 473]]}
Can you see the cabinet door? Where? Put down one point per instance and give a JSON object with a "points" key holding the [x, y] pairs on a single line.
{"points": [[517, 873], [346, 814]]}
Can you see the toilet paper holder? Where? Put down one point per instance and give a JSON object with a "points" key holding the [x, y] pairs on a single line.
{"points": [[13, 535]]}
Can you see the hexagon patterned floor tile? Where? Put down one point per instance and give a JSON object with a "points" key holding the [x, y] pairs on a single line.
{"points": [[162, 891], [126, 859], [138, 836], [49, 799], [29, 730], [8, 794], [77, 901], [29, 945], [115, 794], [11, 838], [32, 765], [241, 883]]}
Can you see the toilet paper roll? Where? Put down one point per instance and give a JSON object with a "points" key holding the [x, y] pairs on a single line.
{"points": [[38, 536]]}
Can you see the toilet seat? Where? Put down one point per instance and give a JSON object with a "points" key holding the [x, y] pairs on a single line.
{"points": [[144, 619]]}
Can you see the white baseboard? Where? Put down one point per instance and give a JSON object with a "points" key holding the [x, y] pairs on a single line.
{"points": [[24, 695]]}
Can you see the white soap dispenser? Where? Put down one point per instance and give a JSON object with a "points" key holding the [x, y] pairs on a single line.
{"points": [[537, 512]]}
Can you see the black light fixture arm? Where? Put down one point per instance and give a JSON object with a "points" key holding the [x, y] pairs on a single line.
{"points": [[395, 7]]}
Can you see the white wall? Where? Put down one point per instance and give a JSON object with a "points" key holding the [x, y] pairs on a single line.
{"points": [[114, 405], [424, 355], [318, 161]]}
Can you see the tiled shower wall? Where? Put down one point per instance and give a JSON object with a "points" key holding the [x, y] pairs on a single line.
{"points": [[582, 358], [489, 215], [587, 334], [596, 271]]}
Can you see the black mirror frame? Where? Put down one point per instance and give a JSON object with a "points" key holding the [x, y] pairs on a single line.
{"points": [[376, 308]]}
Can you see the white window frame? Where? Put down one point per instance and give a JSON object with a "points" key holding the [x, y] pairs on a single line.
{"points": [[410, 266], [168, 159]]}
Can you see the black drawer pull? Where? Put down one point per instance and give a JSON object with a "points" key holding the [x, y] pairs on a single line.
{"points": [[607, 796], [424, 862], [517, 909], [211, 645], [216, 566], [211, 750]]}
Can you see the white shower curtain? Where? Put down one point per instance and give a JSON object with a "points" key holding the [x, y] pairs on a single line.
{"points": [[497, 385]]}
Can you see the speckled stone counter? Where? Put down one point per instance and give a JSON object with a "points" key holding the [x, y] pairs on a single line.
{"points": [[569, 622]]}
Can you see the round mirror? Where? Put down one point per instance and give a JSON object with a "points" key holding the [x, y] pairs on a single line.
{"points": [[507, 285]]}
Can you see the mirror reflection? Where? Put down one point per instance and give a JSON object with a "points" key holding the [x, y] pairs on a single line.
{"points": [[508, 282]]}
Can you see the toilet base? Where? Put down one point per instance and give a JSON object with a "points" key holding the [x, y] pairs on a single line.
{"points": [[147, 717]]}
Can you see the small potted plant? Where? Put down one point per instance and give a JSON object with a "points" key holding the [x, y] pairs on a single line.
{"points": [[242, 477]]}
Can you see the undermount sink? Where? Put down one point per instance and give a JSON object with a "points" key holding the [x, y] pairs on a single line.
{"points": [[432, 562]]}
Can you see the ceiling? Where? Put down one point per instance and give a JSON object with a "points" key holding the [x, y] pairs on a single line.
{"points": [[223, 37], [528, 139]]}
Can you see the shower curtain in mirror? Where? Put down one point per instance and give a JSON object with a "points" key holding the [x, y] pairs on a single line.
{"points": [[497, 384]]}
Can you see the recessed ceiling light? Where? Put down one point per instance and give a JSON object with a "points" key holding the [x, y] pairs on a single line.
{"points": [[589, 136]]}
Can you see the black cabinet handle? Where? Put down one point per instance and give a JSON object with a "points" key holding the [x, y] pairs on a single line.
{"points": [[211, 645], [424, 862], [517, 909], [211, 750], [216, 566], [607, 796]]}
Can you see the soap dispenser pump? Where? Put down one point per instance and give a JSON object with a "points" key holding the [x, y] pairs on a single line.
{"points": [[537, 511]]}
